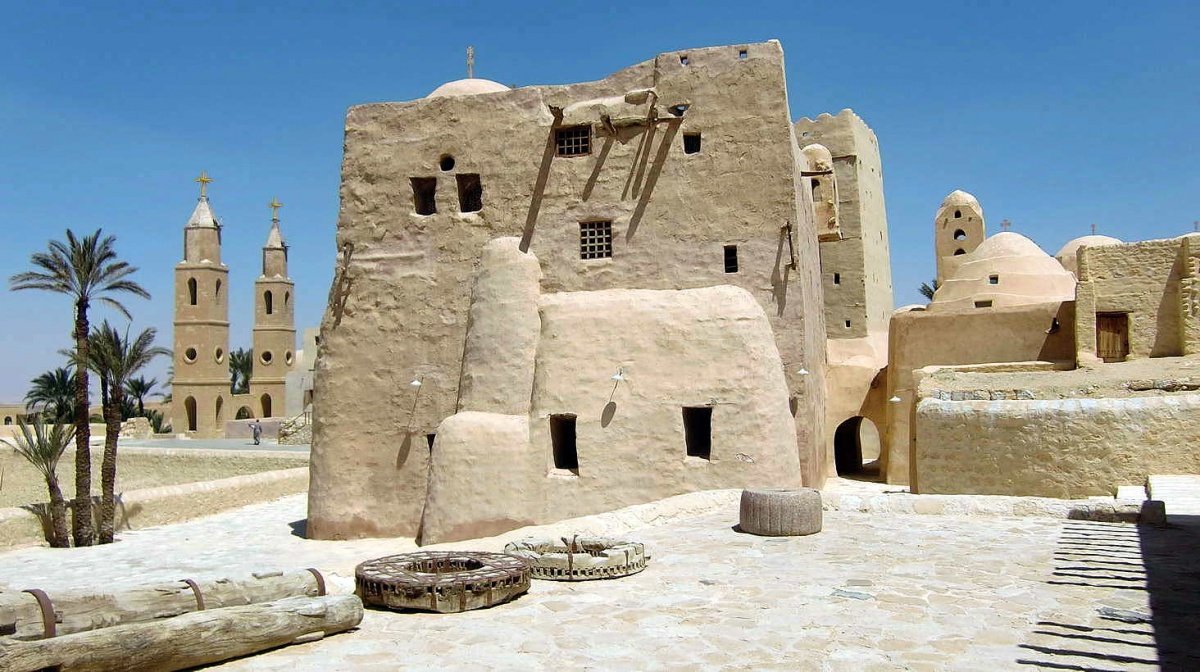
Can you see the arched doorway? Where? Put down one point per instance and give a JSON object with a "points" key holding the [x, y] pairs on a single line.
{"points": [[266, 405], [189, 407], [856, 449], [244, 413]]}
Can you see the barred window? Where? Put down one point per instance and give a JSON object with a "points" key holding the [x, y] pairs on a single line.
{"points": [[573, 141], [595, 240]]}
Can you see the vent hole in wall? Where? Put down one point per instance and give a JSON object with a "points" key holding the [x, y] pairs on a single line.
{"points": [[446, 162]]}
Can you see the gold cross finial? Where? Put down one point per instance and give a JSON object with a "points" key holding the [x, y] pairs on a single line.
{"points": [[204, 179], [275, 205], [470, 62], [1005, 225]]}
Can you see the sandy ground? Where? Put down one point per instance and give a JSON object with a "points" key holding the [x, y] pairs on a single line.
{"points": [[136, 469]]}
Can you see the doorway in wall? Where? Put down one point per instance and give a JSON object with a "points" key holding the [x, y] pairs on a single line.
{"points": [[856, 449], [1112, 336]]}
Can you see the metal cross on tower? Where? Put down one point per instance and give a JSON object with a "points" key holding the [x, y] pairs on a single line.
{"points": [[275, 205], [1005, 225], [1093, 229], [470, 62], [204, 179]]}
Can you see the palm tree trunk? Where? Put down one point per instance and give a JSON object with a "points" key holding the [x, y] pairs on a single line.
{"points": [[141, 408], [81, 520], [58, 515], [108, 465]]}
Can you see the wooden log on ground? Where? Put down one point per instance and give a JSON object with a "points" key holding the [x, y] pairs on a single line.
{"points": [[79, 611], [198, 638]]}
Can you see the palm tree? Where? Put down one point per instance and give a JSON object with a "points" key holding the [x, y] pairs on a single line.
{"points": [[138, 389], [54, 393], [43, 444], [927, 289], [115, 358], [86, 269], [241, 366]]}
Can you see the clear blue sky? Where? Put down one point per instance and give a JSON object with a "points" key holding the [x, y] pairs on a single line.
{"points": [[1057, 115]]}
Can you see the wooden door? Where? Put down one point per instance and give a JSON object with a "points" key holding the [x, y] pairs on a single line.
{"points": [[1112, 336]]}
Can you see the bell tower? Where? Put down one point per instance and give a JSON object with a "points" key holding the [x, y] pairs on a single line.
{"points": [[200, 390], [274, 324], [958, 228]]}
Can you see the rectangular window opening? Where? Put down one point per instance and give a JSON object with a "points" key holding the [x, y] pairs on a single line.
{"points": [[691, 143], [993, 279], [573, 141], [424, 195], [837, 278], [470, 193], [983, 304], [595, 240], [731, 260], [743, 53], [697, 431], [847, 324], [562, 441]]}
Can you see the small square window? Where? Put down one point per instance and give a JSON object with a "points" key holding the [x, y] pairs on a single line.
{"points": [[424, 195], [691, 143], [562, 442], [573, 141], [837, 278], [983, 304], [697, 431], [731, 259], [993, 279], [595, 240], [847, 324], [743, 54]]}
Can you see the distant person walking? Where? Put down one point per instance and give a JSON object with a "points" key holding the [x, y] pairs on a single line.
{"points": [[256, 430]]}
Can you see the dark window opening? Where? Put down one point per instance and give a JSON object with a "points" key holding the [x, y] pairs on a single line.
{"points": [[731, 260], [683, 59], [697, 431], [958, 214], [816, 184], [742, 53], [573, 141], [424, 195], [189, 407], [837, 278], [983, 304], [446, 162], [470, 193], [268, 302], [847, 324], [192, 291], [429, 440], [217, 292], [691, 143], [959, 234], [562, 441], [959, 251], [993, 279], [595, 240]]}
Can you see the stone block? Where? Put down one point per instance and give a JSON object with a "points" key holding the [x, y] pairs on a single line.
{"points": [[780, 512]]}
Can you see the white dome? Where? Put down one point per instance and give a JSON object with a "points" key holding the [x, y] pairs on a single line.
{"points": [[959, 197], [1007, 269], [467, 87], [1068, 256]]}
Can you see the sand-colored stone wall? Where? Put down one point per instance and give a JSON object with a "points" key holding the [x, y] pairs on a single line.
{"points": [[1154, 282], [399, 308], [919, 338], [1066, 448]]}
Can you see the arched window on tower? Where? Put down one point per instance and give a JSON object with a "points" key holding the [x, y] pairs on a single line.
{"points": [[268, 302], [191, 291], [217, 292]]}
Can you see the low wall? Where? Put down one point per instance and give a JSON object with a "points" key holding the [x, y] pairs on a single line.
{"points": [[1063, 448], [240, 429], [168, 504]]}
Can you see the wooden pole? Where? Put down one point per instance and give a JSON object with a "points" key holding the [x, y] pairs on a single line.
{"points": [[22, 616], [198, 638]]}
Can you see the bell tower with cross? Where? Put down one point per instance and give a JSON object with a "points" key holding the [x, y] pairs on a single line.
{"points": [[200, 389], [274, 323]]}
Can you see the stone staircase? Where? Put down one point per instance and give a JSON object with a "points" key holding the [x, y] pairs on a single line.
{"points": [[1179, 492]]}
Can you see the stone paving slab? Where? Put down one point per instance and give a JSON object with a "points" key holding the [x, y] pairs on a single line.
{"points": [[870, 592]]}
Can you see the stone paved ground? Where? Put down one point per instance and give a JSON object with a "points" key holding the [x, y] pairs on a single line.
{"points": [[870, 592]]}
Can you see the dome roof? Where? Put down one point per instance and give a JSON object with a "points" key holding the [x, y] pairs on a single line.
{"points": [[819, 156], [959, 197], [1007, 269], [1067, 256], [467, 87]]}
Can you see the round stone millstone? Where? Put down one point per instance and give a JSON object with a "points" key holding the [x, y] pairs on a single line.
{"points": [[580, 558], [441, 581], [780, 512]]}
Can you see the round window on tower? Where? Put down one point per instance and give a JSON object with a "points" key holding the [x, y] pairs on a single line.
{"points": [[219, 355], [287, 357], [265, 357], [189, 355]]}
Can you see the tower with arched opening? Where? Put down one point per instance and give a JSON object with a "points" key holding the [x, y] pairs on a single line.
{"points": [[201, 382], [274, 324], [958, 228]]}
